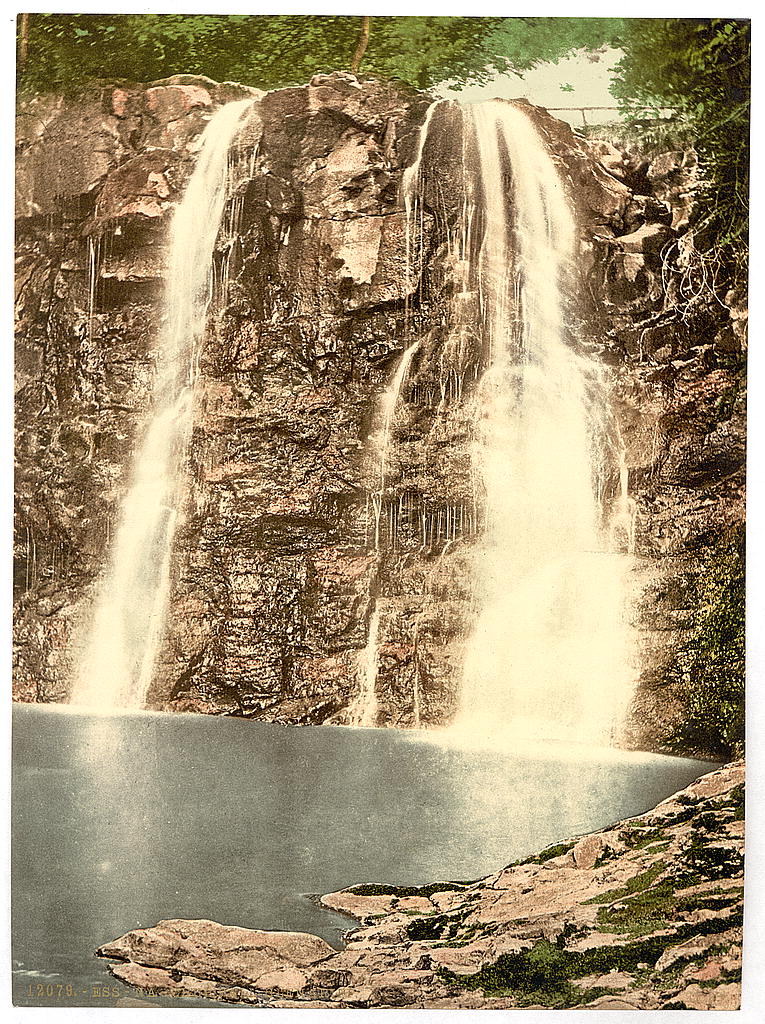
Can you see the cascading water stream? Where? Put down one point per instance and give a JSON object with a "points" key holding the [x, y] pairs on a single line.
{"points": [[411, 190], [382, 440], [364, 711], [548, 656], [625, 513], [118, 662]]}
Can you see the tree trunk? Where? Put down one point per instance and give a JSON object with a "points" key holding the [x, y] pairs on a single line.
{"points": [[23, 40], [361, 45]]}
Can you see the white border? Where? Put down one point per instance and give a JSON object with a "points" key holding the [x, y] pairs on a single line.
{"points": [[754, 943]]}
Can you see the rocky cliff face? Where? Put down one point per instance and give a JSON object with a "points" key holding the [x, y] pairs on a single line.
{"points": [[319, 289]]}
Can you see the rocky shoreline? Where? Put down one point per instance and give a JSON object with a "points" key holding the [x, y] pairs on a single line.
{"points": [[645, 914]]}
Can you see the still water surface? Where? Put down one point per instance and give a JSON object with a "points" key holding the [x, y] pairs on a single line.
{"points": [[119, 822]]}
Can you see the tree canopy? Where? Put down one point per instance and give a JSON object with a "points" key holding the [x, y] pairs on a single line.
{"points": [[269, 51]]}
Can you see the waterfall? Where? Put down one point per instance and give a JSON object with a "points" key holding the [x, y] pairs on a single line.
{"points": [[94, 254], [364, 711], [411, 190], [548, 656], [625, 513], [381, 442], [118, 662]]}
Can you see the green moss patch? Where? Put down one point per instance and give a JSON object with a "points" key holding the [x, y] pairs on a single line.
{"points": [[556, 850], [734, 801], [643, 913], [372, 889], [438, 926], [711, 663], [712, 899], [638, 838], [704, 860], [659, 907], [539, 975], [635, 884], [544, 973], [471, 932]]}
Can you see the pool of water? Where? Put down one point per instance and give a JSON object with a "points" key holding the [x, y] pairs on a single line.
{"points": [[119, 822]]}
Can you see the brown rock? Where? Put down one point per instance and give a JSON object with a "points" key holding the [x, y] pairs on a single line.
{"points": [[609, 156], [417, 903], [139, 186], [648, 238], [694, 997], [169, 103], [65, 149], [612, 1003], [587, 851], [614, 979], [288, 979], [360, 907], [708, 972], [224, 954], [520, 907]]}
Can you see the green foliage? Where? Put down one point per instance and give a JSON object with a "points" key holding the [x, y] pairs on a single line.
{"points": [[700, 68], [702, 860], [710, 899], [271, 51], [542, 967], [263, 51], [557, 850], [712, 663], [643, 913], [736, 802], [539, 975], [426, 929], [517, 44], [543, 974], [638, 838], [267, 51], [545, 971]]}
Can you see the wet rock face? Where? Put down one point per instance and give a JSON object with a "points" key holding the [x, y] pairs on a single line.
{"points": [[679, 358], [96, 181], [318, 290]]}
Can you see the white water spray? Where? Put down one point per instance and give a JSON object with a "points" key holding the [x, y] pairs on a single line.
{"points": [[548, 657], [625, 512], [119, 659]]}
